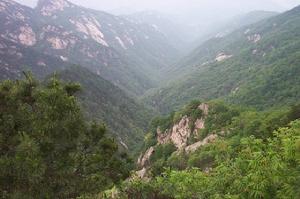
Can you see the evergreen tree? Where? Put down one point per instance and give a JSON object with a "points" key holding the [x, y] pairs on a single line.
{"points": [[47, 150]]}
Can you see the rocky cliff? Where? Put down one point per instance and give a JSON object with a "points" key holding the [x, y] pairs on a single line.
{"points": [[179, 135]]}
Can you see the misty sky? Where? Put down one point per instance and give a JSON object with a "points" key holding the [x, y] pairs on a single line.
{"points": [[201, 9]]}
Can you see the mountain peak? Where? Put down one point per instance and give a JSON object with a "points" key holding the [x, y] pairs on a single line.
{"points": [[49, 7]]}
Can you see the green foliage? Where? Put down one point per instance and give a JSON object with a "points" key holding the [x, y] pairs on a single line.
{"points": [[160, 156], [261, 74], [46, 148], [259, 169], [261, 124], [163, 151], [219, 117], [177, 161], [102, 101], [230, 122], [163, 123], [191, 110]]}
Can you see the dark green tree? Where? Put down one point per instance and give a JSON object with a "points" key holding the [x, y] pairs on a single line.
{"points": [[47, 150]]}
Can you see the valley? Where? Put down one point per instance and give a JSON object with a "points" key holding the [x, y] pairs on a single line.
{"points": [[146, 106]]}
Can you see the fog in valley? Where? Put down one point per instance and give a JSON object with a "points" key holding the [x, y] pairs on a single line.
{"points": [[190, 11]]}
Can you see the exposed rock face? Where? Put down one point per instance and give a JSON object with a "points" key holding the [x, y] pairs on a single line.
{"points": [[222, 56], [179, 135], [247, 31], [93, 39], [144, 159], [91, 28], [199, 124], [204, 107], [121, 43], [58, 43], [2, 6], [27, 36], [181, 132], [254, 38], [49, 7], [142, 173], [209, 139], [163, 137]]}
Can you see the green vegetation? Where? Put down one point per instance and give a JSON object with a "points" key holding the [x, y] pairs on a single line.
{"points": [[53, 143], [102, 101], [249, 168], [261, 74], [230, 122], [257, 155], [164, 123], [47, 150]]}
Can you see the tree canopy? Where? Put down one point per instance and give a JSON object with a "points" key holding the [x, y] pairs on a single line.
{"points": [[47, 150]]}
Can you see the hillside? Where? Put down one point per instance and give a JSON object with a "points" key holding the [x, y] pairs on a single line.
{"points": [[101, 101], [95, 105], [15, 58], [226, 27], [124, 53], [207, 149], [247, 67]]}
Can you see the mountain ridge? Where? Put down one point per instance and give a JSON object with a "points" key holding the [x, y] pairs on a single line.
{"points": [[226, 67], [122, 52]]}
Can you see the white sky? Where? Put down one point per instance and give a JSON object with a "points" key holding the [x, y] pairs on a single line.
{"points": [[201, 9]]}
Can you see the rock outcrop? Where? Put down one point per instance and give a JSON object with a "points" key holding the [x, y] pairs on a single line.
{"points": [[142, 173], [50, 7], [179, 135], [144, 158], [27, 36], [222, 56], [181, 132], [209, 139], [254, 38]]}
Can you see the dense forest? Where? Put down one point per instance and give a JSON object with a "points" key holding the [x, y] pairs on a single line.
{"points": [[47, 148], [49, 151]]}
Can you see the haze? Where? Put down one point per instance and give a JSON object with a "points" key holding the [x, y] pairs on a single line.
{"points": [[189, 10]]}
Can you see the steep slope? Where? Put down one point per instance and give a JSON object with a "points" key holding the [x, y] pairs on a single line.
{"points": [[188, 138], [126, 118], [17, 36], [229, 145], [15, 58], [256, 65], [122, 52]]}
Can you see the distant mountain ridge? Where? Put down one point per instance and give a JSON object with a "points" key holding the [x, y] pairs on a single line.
{"points": [[122, 52], [256, 65]]}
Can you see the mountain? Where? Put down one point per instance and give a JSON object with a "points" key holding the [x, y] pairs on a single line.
{"points": [[223, 28], [177, 33], [15, 58], [125, 53], [16, 38], [126, 119], [257, 65]]}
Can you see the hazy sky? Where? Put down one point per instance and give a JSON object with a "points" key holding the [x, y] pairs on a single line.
{"points": [[204, 9]]}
